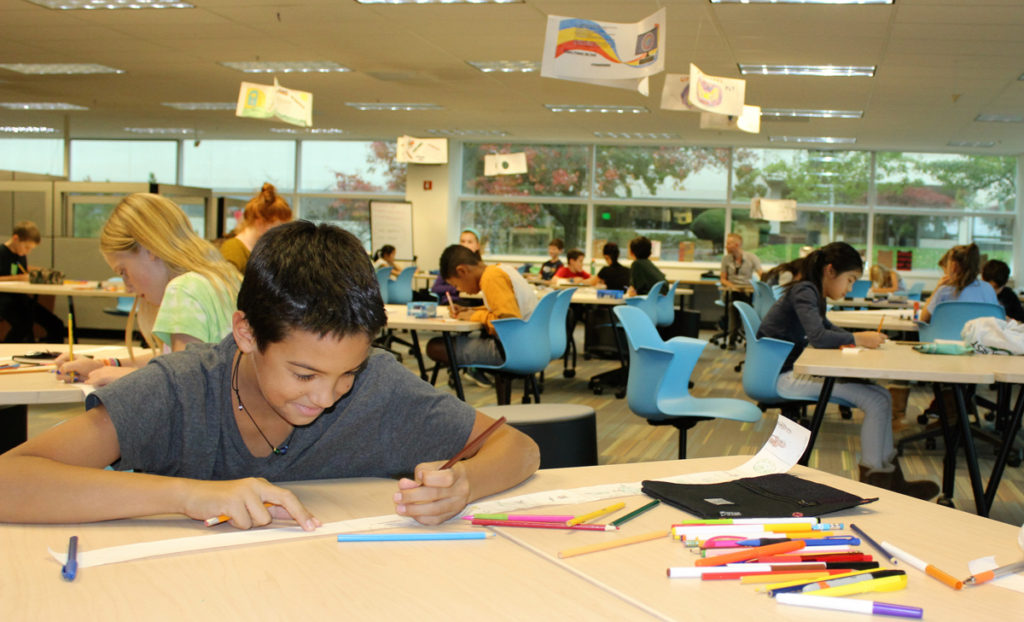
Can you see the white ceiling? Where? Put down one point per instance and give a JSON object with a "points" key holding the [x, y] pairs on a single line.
{"points": [[940, 64]]}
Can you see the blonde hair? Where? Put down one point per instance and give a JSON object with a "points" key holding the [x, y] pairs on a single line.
{"points": [[881, 275], [157, 224], [266, 206]]}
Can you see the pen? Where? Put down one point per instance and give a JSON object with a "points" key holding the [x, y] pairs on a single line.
{"points": [[885, 584], [749, 521], [853, 605], [923, 566], [542, 525], [615, 507], [867, 576], [995, 573], [796, 586], [540, 518], [750, 553], [70, 567], [474, 444], [771, 574], [413, 537], [878, 547], [637, 512], [807, 541], [223, 518]]}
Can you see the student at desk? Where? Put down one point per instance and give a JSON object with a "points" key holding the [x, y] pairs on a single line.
{"points": [[469, 238], [262, 212], [574, 272], [996, 273], [614, 275], [886, 280], [799, 317], [22, 311], [960, 266], [643, 274], [295, 392], [554, 263]]}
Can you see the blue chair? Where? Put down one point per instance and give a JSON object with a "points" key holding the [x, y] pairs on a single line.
{"points": [[560, 334], [948, 319], [914, 293], [764, 298], [648, 303], [860, 289], [667, 306], [659, 372], [383, 278], [400, 289], [124, 303], [527, 346]]}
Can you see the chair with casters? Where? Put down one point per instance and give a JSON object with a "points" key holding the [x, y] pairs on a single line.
{"points": [[648, 303], [400, 289], [560, 336], [658, 370], [527, 347], [383, 278], [667, 306], [764, 298], [915, 290], [765, 357], [860, 289]]}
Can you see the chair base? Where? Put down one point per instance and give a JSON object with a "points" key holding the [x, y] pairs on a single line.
{"points": [[565, 433], [682, 424]]}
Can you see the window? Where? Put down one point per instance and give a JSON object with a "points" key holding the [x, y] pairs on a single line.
{"points": [[351, 166], [240, 165], [947, 181], [44, 156], [776, 242], [684, 233], [926, 238], [553, 171], [146, 161], [694, 173], [811, 177], [353, 215], [525, 228]]}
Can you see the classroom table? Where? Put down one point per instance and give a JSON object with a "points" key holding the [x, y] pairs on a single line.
{"points": [[871, 303], [513, 576], [398, 317], [71, 289], [901, 362], [895, 319]]}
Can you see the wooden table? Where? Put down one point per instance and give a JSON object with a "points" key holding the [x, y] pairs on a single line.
{"points": [[859, 303], [398, 317], [895, 319], [514, 576], [71, 289]]}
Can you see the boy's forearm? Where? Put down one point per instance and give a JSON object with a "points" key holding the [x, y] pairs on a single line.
{"points": [[507, 458]]}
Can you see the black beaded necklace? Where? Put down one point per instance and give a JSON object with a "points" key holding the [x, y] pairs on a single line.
{"points": [[281, 449]]}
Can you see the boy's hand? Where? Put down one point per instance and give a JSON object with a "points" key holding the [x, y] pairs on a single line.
{"points": [[869, 339], [242, 500], [454, 310], [434, 496], [77, 370]]}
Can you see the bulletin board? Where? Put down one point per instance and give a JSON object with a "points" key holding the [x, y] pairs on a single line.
{"points": [[391, 223]]}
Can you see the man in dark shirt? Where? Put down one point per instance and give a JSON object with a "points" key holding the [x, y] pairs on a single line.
{"points": [[21, 311], [996, 273]]}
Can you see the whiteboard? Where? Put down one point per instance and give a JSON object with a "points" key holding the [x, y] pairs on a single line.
{"points": [[391, 223]]}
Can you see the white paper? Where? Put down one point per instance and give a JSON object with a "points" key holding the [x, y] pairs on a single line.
{"points": [[422, 150], [1013, 582], [675, 95], [605, 53], [782, 210], [263, 101], [715, 94], [504, 164], [749, 121]]}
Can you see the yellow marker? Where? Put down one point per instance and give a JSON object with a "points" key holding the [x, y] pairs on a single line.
{"points": [[884, 584], [585, 517], [775, 586]]}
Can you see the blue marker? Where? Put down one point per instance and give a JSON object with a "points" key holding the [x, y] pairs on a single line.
{"points": [[807, 541], [70, 567], [413, 537]]}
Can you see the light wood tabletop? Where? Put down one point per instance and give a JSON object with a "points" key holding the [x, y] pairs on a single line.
{"points": [[42, 387], [398, 317], [895, 319], [871, 303], [92, 289], [514, 576]]}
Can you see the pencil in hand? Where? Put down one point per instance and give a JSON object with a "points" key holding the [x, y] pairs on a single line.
{"points": [[474, 444], [223, 518]]}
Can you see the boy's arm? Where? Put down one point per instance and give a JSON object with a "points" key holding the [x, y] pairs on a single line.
{"points": [[501, 301], [59, 477], [505, 459]]}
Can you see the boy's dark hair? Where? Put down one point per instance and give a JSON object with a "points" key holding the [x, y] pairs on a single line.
{"points": [[27, 231], [575, 254], [454, 256], [640, 247], [840, 255], [996, 271], [315, 278], [612, 250], [557, 243]]}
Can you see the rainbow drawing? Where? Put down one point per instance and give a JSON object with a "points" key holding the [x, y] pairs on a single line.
{"points": [[588, 36]]}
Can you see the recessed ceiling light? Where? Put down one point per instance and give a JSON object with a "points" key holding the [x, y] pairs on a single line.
{"points": [[393, 107], [971, 143], [440, 1], [505, 66], [314, 66], [812, 139], [26, 129], [801, 1], [999, 118], [201, 105], [601, 109], [308, 130], [59, 68], [448, 132], [638, 135], [842, 71], [40, 106], [162, 131], [70, 5], [770, 113]]}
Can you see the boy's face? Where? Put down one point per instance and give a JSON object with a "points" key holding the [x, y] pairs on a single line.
{"points": [[553, 252], [576, 265], [465, 279], [304, 374], [22, 247]]}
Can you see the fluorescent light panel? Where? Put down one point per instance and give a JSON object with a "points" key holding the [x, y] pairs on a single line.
{"points": [[835, 71], [451, 132], [999, 118], [638, 135], [313, 66], [162, 131], [58, 68], [779, 113], [832, 140], [506, 66], [40, 106], [600, 109], [308, 130], [440, 1], [26, 129], [392, 107], [971, 143], [801, 1], [201, 105], [71, 5]]}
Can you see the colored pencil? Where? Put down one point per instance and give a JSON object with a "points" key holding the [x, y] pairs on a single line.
{"points": [[541, 525], [615, 507], [611, 544], [751, 553], [71, 337], [223, 518], [540, 518], [637, 512], [474, 444], [27, 370]]}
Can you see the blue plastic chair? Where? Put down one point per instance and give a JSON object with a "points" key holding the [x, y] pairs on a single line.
{"points": [[400, 289], [124, 303], [383, 278], [667, 306], [914, 293], [560, 331], [648, 303], [527, 346], [764, 298], [860, 289], [659, 372], [948, 319]]}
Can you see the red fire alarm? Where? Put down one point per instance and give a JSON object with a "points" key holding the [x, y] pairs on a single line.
{"points": [[427, 185]]}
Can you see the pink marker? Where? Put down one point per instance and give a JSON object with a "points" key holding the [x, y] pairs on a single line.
{"points": [[536, 518]]}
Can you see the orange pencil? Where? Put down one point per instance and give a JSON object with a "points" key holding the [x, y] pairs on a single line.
{"points": [[223, 518], [753, 552], [880, 322]]}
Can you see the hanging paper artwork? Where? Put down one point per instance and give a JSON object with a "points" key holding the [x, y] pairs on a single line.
{"points": [[715, 94], [779, 210], [265, 101], [605, 53], [422, 150], [675, 95], [749, 121], [504, 164]]}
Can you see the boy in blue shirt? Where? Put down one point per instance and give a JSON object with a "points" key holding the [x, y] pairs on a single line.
{"points": [[294, 393]]}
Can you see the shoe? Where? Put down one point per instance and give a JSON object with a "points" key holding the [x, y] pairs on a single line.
{"points": [[478, 377], [899, 407], [892, 479]]}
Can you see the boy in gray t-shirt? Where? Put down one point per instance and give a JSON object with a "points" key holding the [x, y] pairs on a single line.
{"points": [[294, 393]]}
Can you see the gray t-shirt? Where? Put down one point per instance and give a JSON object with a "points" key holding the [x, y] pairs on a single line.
{"points": [[174, 417], [743, 272]]}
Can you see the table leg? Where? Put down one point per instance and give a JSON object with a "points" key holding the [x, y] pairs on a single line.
{"points": [[453, 366], [1009, 434], [971, 451], [819, 415], [415, 350], [13, 426]]}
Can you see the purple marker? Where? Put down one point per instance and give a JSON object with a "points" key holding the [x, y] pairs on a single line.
{"points": [[853, 605]]}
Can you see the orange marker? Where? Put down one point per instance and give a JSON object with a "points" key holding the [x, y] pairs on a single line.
{"points": [[751, 553]]}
